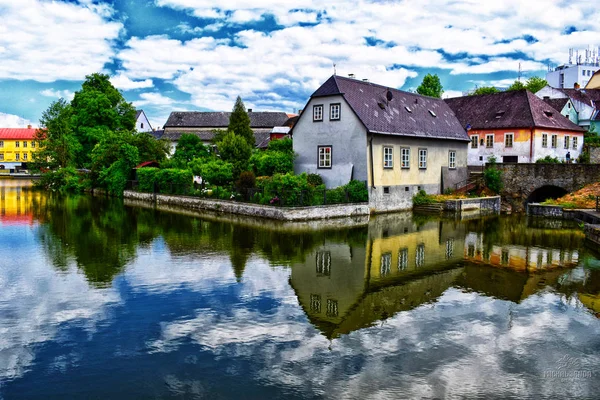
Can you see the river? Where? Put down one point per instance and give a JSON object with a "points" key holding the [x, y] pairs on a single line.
{"points": [[101, 299]]}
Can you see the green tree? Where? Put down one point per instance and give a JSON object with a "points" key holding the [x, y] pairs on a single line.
{"points": [[189, 147], [493, 176], [517, 85], [234, 149], [98, 108], [239, 122], [535, 84], [112, 161], [215, 171], [485, 90], [149, 148], [431, 86]]}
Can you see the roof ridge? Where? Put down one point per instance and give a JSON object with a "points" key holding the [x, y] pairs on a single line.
{"points": [[527, 93]]}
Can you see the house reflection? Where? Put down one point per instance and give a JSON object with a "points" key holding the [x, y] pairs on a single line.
{"points": [[16, 204], [405, 263]]}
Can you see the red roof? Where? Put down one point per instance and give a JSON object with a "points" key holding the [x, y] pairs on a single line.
{"points": [[17, 133], [147, 164]]}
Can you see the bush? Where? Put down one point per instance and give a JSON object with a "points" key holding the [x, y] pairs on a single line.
{"points": [[548, 160], [215, 171], [357, 192], [493, 176], [336, 195], [292, 189], [63, 180], [174, 181], [284, 145], [268, 163], [422, 198], [146, 178], [247, 180], [235, 150], [314, 179]]}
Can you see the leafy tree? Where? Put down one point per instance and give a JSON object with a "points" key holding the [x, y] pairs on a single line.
{"points": [[215, 171], [493, 176], [188, 148], [517, 85], [485, 90], [239, 122], [234, 149], [431, 86], [535, 84], [267, 163], [113, 159], [97, 109], [284, 145], [149, 148]]}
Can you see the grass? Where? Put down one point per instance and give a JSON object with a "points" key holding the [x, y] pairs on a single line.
{"points": [[583, 198]]}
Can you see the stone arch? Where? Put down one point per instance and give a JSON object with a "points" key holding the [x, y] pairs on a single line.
{"points": [[545, 192]]}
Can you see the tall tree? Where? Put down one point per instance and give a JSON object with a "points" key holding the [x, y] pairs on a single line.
{"points": [[485, 90], [535, 84], [517, 85], [239, 122], [97, 109], [234, 149], [189, 147], [431, 86]]}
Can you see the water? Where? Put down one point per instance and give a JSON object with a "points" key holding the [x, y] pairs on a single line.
{"points": [[104, 300]]}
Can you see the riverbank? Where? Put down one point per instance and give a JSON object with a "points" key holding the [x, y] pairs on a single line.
{"points": [[589, 217]]}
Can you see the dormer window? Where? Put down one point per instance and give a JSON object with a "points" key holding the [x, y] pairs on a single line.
{"points": [[408, 109], [334, 112], [318, 112], [548, 114], [499, 114]]}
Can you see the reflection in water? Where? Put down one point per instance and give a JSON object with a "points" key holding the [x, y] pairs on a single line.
{"points": [[109, 301]]}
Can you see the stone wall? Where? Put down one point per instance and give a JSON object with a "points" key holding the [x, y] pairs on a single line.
{"points": [[491, 204], [254, 210], [595, 155], [540, 210], [592, 233]]}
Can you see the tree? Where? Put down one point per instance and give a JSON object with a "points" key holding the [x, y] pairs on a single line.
{"points": [[234, 149], [485, 90], [97, 109], [215, 171], [189, 147], [535, 84], [239, 122], [112, 161], [517, 85], [431, 86], [149, 148]]}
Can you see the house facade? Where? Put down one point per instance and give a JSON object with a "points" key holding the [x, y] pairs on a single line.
{"points": [[396, 142], [204, 124], [515, 127], [586, 104], [142, 124], [16, 147], [594, 82]]}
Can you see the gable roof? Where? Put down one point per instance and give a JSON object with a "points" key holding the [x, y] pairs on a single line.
{"points": [[587, 96], [557, 104], [514, 109], [17, 133], [261, 135], [406, 114], [138, 113], [211, 119]]}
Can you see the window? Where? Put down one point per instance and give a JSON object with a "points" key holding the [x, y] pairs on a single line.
{"points": [[403, 259], [332, 308], [32, 144], [388, 157], [1, 143], [567, 142], [405, 157], [474, 141], [1, 156], [508, 139], [324, 156], [575, 143], [420, 256], [334, 112], [24, 156], [17, 156], [452, 159], [449, 248], [17, 144], [142, 125], [422, 158], [24, 144], [489, 141], [318, 113], [386, 264], [323, 263], [315, 303], [544, 140], [554, 141]]}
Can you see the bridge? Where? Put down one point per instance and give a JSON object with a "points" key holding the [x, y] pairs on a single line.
{"points": [[531, 183]]}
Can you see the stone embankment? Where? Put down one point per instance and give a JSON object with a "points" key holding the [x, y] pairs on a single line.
{"points": [[458, 206], [590, 218]]}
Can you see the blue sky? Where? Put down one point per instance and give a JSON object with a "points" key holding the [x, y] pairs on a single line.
{"points": [[168, 55]]}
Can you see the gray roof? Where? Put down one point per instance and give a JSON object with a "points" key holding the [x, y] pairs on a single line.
{"points": [[211, 119], [261, 136], [406, 114], [137, 113]]}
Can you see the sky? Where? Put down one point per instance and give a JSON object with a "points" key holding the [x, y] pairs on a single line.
{"points": [[198, 55]]}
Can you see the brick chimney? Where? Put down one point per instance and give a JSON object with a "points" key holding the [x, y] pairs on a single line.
{"points": [[28, 126], [576, 85]]}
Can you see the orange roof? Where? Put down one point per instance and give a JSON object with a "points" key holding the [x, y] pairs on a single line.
{"points": [[17, 133]]}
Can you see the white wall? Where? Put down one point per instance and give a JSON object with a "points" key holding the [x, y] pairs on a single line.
{"points": [[142, 124]]}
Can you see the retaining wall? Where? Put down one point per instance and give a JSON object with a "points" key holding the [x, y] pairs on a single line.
{"points": [[254, 210], [540, 210], [491, 204], [592, 233], [594, 155]]}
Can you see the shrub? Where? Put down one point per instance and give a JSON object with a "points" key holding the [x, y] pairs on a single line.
{"points": [[314, 179], [247, 180], [493, 176], [291, 189], [146, 178], [422, 198], [548, 160], [284, 145], [215, 171], [235, 150], [268, 163], [357, 191], [336, 195], [174, 181]]}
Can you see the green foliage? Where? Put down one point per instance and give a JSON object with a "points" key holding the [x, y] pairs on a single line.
{"points": [[517, 85], [422, 198], [174, 181], [149, 148], [268, 162], [219, 135], [247, 180], [284, 145], [146, 178], [485, 90], [189, 147], [314, 179], [493, 176], [235, 150], [56, 143], [535, 84], [214, 171], [62, 180], [288, 188], [239, 122], [114, 178], [548, 160], [357, 191], [431, 86]]}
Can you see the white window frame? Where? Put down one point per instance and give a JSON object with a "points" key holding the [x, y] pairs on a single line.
{"points": [[388, 157], [33, 144], [405, 157], [403, 259], [24, 156], [17, 144], [554, 141], [335, 111], [487, 142], [567, 142], [318, 113], [422, 158], [475, 143], [17, 157], [1, 156], [575, 144], [544, 140], [24, 144], [512, 139], [452, 159], [324, 162]]}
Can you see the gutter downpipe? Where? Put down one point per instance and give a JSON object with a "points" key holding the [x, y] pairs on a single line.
{"points": [[371, 159], [531, 145]]}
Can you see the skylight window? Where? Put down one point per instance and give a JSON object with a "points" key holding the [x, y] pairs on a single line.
{"points": [[499, 114], [548, 114], [381, 105], [432, 113], [408, 109]]}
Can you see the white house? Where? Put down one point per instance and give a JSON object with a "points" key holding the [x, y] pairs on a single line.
{"points": [[141, 122]]}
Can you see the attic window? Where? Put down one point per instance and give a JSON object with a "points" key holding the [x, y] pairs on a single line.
{"points": [[499, 114], [408, 109], [432, 113], [548, 114], [381, 105]]}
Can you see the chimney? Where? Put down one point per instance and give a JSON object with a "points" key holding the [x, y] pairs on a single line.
{"points": [[365, 80], [249, 110], [576, 85], [351, 76], [300, 111], [28, 126]]}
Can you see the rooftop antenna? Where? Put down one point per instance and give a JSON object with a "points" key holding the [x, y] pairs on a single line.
{"points": [[519, 78], [334, 70], [571, 55]]}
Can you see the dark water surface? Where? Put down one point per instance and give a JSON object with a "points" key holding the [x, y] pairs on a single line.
{"points": [[101, 300]]}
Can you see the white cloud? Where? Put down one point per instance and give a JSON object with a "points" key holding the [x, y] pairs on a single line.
{"points": [[120, 81], [47, 41], [65, 94], [14, 121], [155, 99]]}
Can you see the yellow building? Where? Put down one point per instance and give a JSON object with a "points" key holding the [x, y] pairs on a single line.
{"points": [[594, 82], [16, 147]]}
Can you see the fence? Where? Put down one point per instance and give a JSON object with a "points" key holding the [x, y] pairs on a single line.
{"points": [[280, 198]]}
